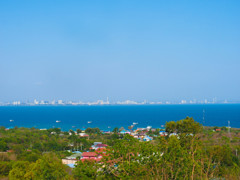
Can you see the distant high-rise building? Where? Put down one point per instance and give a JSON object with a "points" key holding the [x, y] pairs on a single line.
{"points": [[60, 101], [36, 102], [183, 102], [108, 101], [16, 103]]}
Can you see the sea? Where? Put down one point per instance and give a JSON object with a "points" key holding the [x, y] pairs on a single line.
{"points": [[108, 117]]}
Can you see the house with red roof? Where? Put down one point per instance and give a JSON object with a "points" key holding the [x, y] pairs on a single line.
{"points": [[89, 155], [97, 145]]}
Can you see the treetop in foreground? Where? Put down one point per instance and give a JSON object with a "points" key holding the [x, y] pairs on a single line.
{"points": [[187, 126]]}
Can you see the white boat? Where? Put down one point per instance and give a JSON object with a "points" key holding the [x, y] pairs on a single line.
{"points": [[134, 123], [57, 121], [11, 120], [89, 122]]}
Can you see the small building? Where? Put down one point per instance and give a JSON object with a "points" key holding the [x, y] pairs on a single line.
{"points": [[101, 152], [173, 134], [10, 151], [73, 158], [141, 129], [106, 132], [76, 152], [83, 134], [96, 143], [89, 155], [147, 138], [163, 133], [125, 132], [69, 161]]}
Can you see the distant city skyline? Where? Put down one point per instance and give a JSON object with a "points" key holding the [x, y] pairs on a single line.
{"points": [[107, 102], [136, 50]]}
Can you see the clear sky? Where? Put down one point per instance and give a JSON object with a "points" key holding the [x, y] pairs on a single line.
{"points": [[121, 49]]}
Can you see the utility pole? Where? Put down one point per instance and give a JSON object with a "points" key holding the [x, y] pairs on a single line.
{"points": [[203, 118], [229, 133], [81, 146]]}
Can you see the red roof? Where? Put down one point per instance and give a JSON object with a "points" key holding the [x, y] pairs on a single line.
{"points": [[101, 150], [89, 154], [93, 160]]}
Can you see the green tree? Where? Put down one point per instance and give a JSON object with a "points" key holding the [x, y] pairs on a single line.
{"points": [[5, 168], [57, 130], [92, 131], [72, 132], [85, 170], [115, 130], [79, 131], [19, 170], [18, 148], [171, 127], [188, 126], [31, 156], [3, 146], [49, 167]]}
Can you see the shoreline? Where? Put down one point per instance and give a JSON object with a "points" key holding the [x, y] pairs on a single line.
{"points": [[105, 105]]}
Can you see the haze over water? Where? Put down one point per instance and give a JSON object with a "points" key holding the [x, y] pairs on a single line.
{"points": [[73, 117]]}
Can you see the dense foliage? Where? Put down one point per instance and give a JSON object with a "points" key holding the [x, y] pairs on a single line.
{"points": [[189, 151]]}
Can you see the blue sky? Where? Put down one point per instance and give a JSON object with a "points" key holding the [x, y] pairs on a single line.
{"points": [[89, 50]]}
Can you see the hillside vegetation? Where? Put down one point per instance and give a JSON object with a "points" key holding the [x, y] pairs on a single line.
{"points": [[189, 151]]}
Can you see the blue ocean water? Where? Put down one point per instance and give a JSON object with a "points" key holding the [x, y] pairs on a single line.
{"points": [[108, 117]]}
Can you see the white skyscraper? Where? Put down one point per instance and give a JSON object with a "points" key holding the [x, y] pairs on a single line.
{"points": [[60, 101], [36, 102]]}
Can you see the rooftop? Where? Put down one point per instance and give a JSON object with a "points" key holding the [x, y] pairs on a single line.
{"points": [[89, 154]]}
